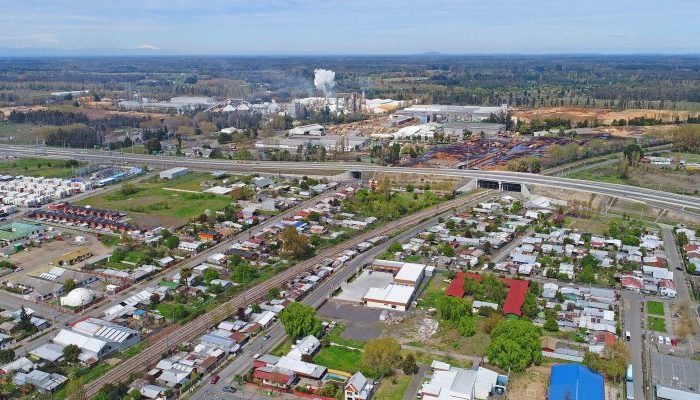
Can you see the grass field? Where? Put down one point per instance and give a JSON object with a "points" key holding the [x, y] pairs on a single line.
{"points": [[393, 391], [655, 307], [650, 177], [36, 167], [152, 205], [18, 133], [657, 324], [339, 358], [192, 181]]}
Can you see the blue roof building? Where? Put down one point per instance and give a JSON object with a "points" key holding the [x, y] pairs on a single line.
{"points": [[575, 382]]}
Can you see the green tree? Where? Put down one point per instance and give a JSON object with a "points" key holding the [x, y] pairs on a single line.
{"points": [[395, 247], [515, 344], [380, 357], [25, 321], [294, 243], [465, 326], [300, 321], [210, 274], [172, 242], [550, 324], [409, 365], [7, 355], [185, 274], [128, 189], [71, 353], [69, 284]]}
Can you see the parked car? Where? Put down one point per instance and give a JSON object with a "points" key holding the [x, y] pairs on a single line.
{"points": [[667, 340], [215, 379], [628, 336], [230, 389], [266, 337]]}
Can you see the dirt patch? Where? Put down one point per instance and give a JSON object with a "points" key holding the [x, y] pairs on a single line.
{"points": [[529, 385], [604, 115]]}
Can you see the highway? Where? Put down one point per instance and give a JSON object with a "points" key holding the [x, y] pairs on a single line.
{"points": [[652, 197], [203, 323], [316, 298]]}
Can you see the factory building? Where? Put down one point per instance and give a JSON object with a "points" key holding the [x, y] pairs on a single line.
{"points": [[442, 113], [308, 130], [173, 173]]}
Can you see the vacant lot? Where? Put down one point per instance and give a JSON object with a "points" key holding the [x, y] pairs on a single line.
{"points": [[152, 205], [36, 260], [388, 390], [657, 324], [651, 177], [18, 133], [194, 181], [530, 384], [36, 167], [339, 358], [655, 307]]}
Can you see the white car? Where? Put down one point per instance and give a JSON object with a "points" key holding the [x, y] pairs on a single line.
{"points": [[667, 340], [661, 339]]}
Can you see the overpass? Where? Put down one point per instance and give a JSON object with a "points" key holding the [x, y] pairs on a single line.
{"points": [[505, 180]]}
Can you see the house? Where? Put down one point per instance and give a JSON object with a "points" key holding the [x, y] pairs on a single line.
{"points": [[667, 288], [305, 348], [43, 381], [517, 290], [209, 235], [575, 382], [358, 388], [451, 383], [276, 377], [190, 247]]}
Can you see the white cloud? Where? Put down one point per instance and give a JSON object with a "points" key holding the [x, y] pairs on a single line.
{"points": [[147, 47]]}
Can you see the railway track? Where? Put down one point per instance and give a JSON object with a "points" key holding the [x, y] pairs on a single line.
{"points": [[200, 325]]}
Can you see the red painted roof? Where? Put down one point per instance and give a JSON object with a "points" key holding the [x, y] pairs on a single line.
{"points": [[517, 290], [277, 377], [629, 281]]}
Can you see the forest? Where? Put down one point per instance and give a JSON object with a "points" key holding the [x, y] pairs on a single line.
{"points": [[618, 82]]}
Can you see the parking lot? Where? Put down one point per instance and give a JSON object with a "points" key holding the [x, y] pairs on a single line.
{"points": [[361, 323], [675, 372]]}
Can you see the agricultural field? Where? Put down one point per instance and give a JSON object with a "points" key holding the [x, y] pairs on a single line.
{"points": [[37, 167], [151, 204]]}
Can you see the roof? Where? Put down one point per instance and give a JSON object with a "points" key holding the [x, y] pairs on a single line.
{"points": [[517, 290], [85, 342], [301, 367], [575, 382], [667, 393], [410, 272], [391, 293]]}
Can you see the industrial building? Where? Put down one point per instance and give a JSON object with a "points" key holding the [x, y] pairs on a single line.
{"points": [[308, 130], [16, 235], [398, 294], [442, 113], [173, 173], [329, 142]]}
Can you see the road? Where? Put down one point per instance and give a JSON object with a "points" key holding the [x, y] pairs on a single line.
{"points": [[316, 298], [632, 304], [677, 202]]}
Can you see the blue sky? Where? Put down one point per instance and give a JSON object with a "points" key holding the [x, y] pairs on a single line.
{"points": [[352, 26]]}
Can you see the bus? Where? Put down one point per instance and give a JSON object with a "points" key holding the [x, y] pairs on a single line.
{"points": [[629, 375]]}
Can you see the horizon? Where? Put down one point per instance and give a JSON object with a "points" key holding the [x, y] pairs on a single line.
{"points": [[313, 27]]}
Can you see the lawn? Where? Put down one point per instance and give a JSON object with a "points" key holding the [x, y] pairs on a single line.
{"points": [[433, 291], [657, 324], [335, 336], [368, 203], [19, 133], [655, 307], [37, 167], [153, 205], [393, 391], [339, 358]]}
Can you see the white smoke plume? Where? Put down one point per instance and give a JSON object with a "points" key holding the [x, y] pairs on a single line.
{"points": [[324, 80]]}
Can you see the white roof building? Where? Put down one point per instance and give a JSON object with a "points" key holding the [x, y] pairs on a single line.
{"points": [[392, 297], [451, 383]]}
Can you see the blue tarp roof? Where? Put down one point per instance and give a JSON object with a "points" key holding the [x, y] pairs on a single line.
{"points": [[575, 382]]}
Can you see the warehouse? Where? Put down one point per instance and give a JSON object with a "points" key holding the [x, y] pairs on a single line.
{"points": [[392, 297], [405, 273], [308, 130], [15, 235], [330, 142], [173, 173]]}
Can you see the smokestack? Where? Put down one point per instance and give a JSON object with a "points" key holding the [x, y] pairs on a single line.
{"points": [[324, 80]]}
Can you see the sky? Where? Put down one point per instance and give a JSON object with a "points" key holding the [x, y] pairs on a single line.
{"points": [[262, 27]]}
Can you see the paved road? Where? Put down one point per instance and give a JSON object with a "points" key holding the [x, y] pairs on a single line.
{"points": [[653, 197], [632, 303], [316, 298]]}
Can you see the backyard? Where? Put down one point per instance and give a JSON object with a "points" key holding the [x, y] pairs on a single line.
{"points": [[393, 388], [339, 358]]}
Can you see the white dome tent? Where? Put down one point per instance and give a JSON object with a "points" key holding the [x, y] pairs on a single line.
{"points": [[77, 297]]}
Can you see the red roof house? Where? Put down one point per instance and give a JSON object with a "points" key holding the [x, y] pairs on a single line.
{"points": [[517, 290]]}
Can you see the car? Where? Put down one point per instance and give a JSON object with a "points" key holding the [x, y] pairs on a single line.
{"points": [[256, 356], [230, 389], [215, 379], [661, 339], [266, 337], [628, 336], [679, 269], [667, 340]]}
